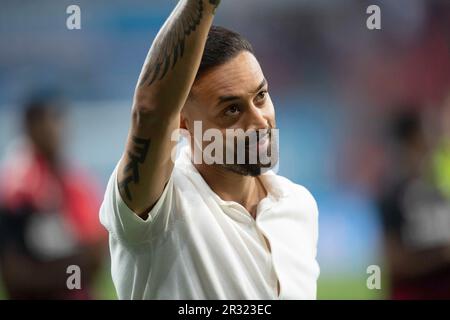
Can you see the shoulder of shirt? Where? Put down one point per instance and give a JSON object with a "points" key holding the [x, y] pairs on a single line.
{"points": [[297, 192]]}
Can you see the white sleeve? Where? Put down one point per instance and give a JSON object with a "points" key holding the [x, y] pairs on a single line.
{"points": [[315, 211], [315, 225], [125, 225]]}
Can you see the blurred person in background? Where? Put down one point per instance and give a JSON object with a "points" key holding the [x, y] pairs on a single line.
{"points": [[48, 211], [415, 216]]}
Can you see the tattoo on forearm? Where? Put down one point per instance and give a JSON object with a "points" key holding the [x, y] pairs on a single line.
{"points": [[170, 49], [136, 157]]}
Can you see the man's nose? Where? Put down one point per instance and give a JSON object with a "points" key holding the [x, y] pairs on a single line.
{"points": [[256, 118]]}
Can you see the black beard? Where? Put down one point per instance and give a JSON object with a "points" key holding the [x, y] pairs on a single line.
{"points": [[254, 169]]}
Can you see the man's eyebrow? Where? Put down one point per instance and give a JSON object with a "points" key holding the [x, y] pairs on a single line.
{"points": [[262, 85], [223, 99]]}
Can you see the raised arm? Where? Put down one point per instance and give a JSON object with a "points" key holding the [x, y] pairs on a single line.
{"points": [[163, 87]]}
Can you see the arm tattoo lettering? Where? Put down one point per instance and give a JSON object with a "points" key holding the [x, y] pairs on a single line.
{"points": [[136, 157]]}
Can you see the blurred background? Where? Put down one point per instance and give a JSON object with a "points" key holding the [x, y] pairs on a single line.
{"points": [[364, 118]]}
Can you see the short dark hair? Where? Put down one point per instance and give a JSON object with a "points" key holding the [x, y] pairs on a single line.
{"points": [[221, 46]]}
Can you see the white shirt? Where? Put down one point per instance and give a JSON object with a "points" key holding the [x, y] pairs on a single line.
{"points": [[194, 245]]}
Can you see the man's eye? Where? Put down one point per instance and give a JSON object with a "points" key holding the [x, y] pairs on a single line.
{"points": [[261, 95], [232, 110]]}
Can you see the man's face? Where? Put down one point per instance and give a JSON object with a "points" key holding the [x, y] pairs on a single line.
{"points": [[234, 96]]}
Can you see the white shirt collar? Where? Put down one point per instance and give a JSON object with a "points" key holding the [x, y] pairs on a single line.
{"points": [[274, 186]]}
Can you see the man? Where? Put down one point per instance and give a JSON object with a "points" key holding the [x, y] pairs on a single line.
{"points": [[192, 230], [48, 212]]}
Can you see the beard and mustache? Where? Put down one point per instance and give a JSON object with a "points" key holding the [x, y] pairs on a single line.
{"points": [[261, 155], [249, 153]]}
